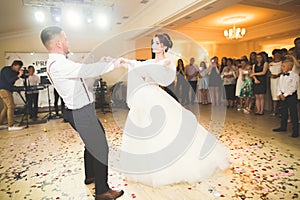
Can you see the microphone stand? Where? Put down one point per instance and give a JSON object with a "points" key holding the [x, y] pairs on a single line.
{"points": [[26, 103]]}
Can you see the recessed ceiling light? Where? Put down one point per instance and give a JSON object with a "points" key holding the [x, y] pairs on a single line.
{"points": [[39, 16], [74, 18], [102, 21]]}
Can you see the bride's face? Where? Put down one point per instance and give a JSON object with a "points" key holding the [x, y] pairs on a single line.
{"points": [[157, 47]]}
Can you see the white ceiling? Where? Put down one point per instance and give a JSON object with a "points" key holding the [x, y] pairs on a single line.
{"points": [[199, 19]]}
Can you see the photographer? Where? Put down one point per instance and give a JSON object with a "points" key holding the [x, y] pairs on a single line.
{"points": [[8, 77]]}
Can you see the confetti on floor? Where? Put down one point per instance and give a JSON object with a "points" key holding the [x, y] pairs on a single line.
{"points": [[38, 164]]}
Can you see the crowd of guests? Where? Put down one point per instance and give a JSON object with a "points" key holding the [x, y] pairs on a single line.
{"points": [[242, 83]]}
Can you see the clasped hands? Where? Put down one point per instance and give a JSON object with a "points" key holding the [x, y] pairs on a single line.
{"points": [[123, 62], [118, 62]]}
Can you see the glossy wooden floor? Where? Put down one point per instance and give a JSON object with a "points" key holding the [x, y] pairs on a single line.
{"points": [[46, 162]]}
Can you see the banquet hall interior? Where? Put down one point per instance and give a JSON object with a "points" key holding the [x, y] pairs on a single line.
{"points": [[45, 159]]}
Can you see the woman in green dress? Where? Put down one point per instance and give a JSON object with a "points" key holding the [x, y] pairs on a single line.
{"points": [[246, 89]]}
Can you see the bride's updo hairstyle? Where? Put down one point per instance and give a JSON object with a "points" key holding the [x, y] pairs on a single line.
{"points": [[166, 40]]}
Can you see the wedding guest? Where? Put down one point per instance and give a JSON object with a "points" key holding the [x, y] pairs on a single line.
{"points": [[237, 63], [297, 48], [215, 83], [223, 64], [33, 96], [229, 80], [260, 83], [284, 52], [287, 92], [244, 57], [239, 82], [252, 58], [181, 88], [192, 72], [296, 70], [203, 84], [246, 92], [275, 72]]}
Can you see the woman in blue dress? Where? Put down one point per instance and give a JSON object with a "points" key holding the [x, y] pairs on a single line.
{"points": [[203, 85]]}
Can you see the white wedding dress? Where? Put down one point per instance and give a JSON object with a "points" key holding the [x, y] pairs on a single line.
{"points": [[163, 143]]}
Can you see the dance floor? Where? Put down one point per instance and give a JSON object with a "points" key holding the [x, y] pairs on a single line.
{"points": [[45, 162]]}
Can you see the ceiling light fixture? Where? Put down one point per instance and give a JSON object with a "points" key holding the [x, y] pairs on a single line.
{"points": [[234, 33]]}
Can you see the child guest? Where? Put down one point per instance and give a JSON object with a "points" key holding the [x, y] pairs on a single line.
{"points": [[246, 91], [287, 92]]}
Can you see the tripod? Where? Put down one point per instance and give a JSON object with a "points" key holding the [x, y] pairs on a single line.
{"points": [[26, 104]]}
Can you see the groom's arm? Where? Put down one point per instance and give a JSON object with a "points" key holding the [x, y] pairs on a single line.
{"points": [[72, 69]]}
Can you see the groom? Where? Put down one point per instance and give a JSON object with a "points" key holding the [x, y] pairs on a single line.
{"points": [[68, 79]]}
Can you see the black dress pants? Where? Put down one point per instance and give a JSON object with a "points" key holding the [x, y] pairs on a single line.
{"points": [[91, 131], [32, 100], [194, 87], [290, 103]]}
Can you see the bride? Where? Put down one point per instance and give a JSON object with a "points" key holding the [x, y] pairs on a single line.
{"points": [[163, 143]]}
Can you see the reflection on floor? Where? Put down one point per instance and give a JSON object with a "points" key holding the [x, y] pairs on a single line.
{"points": [[45, 161]]}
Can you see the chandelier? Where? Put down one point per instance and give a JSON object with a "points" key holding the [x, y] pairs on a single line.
{"points": [[234, 33]]}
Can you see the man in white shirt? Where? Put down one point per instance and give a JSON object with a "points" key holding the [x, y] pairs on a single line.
{"points": [[192, 72], [68, 79], [32, 96]]}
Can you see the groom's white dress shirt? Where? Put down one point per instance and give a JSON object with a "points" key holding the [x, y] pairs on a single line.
{"points": [[68, 78]]}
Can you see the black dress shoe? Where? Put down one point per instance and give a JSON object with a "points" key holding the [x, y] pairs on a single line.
{"points": [[109, 195], [88, 181], [279, 130], [294, 136]]}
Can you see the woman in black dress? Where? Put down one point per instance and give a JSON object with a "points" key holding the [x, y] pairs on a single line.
{"points": [[259, 82], [181, 84]]}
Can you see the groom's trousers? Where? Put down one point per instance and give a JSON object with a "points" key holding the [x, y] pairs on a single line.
{"points": [[91, 131]]}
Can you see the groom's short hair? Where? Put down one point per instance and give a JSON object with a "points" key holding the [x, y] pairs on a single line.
{"points": [[49, 33]]}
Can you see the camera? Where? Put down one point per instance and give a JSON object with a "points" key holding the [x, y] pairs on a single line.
{"points": [[25, 72]]}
